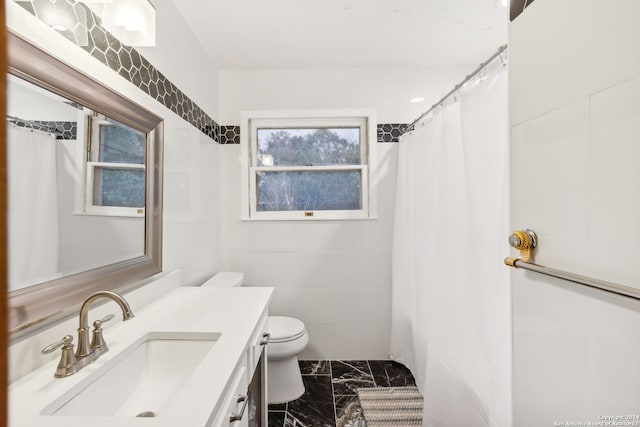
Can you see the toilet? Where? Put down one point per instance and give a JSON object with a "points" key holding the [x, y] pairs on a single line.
{"points": [[288, 337]]}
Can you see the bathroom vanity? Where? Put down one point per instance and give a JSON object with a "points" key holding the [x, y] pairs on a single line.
{"points": [[193, 358]]}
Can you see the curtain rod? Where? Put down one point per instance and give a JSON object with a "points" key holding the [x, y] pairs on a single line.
{"points": [[459, 85], [36, 125]]}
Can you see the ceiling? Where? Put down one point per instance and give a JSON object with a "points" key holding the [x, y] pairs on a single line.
{"points": [[276, 34]]}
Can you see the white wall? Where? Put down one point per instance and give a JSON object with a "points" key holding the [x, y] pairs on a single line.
{"points": [[191, 232], [575, 103], [386, 90], [179, 56], [333, 275]]}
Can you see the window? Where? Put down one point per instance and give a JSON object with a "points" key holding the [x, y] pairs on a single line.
{"points": [[115, 168], [308, 165]]}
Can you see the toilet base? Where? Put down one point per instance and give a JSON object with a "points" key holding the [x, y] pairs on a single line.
{"points": [[284, 380]]}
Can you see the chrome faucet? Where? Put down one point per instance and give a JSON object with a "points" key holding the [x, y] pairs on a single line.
{"points": [[86, 352]]}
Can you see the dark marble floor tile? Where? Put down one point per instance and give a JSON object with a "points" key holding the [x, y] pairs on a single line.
{"points": [[315, 367], [277, 406], [399, 375], [349, 412], [379, 373], [350, 375], [315, 407], [389, 373], [276, 419], [292, 421]]}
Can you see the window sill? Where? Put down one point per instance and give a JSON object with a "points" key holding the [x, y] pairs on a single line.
{"points": [[303, 218], [114, 214]]}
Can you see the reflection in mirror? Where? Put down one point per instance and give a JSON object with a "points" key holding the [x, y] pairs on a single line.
{"points": [[85, 189], [76, 187]]}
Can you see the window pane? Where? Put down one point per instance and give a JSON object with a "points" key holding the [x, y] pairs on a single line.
{"points": [[121, 144], [118, 187], [309, 190], [305, 147]]}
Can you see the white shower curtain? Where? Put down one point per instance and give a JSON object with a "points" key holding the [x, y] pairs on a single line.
{"points": [[451, 296], [33, 207]]}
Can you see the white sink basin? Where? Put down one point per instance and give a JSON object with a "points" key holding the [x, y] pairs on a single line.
{"points": [[141, 380]]}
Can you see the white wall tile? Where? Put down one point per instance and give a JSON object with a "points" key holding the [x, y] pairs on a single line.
{"points": [[575, 352], [549, 174], [614, 203], [324, 272], [331, 304], [575, 143], [25, 354], [353, 341], [582, 47]]}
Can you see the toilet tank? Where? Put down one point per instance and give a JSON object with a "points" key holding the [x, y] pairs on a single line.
{"points": [[226, 279]]}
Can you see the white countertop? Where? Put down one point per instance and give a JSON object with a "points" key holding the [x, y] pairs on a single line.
{"points": [[233, 312]]}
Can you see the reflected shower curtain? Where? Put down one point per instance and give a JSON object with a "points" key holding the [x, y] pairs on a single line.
{"points": [[451, 296], [33, 207]]}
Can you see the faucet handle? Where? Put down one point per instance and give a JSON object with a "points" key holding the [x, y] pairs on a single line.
{"points": [[68, 362], [65, 343], [97, 341], [105, 319]]}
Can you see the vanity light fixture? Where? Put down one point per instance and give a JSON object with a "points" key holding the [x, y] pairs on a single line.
{"points": [[60, 16], [133, 22], [416, 100]]}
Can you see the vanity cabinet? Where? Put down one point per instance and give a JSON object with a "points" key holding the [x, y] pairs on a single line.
{"points": [[245, 400], [210, 370]]}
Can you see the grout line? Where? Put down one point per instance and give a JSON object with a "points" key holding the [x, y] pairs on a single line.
{"points": [[375, 384], [333, 395], [386, 373]]}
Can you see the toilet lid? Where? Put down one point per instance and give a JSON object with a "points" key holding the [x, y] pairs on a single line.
{"points": [[284, 328]]}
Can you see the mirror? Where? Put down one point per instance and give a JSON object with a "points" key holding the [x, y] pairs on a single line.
{"points": [[84, 171], [76, 187]]}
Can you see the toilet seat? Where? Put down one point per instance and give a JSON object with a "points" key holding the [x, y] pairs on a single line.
{"points": [[285, 329]]}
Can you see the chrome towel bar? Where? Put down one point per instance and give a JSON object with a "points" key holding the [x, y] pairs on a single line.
{"points": [[576, 278], [516, 241]]}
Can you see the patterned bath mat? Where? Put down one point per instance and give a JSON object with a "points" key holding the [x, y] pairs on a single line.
{"points": [[391, 406]]}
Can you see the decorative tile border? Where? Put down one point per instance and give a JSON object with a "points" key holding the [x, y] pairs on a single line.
{"points": [[124, 60], [390, 132], [229, 135], [387, 132], [62, 130], [517, 7], [128, 63]]}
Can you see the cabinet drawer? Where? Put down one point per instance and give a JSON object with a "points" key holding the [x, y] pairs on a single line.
{"points": [[234, 411], [256, 345]]}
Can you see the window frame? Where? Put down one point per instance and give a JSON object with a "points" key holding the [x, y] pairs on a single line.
{"points": [[251, 121], [93, 145], [93, 209]]}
